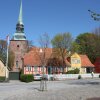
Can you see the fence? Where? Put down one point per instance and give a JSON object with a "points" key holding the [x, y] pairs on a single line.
{"points": [[70, 76]]}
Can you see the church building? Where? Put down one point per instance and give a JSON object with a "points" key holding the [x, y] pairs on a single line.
{"points": [[31, 62], [19, 43]]}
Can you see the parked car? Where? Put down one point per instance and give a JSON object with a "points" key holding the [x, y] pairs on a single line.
{"points": [[37, 77]]}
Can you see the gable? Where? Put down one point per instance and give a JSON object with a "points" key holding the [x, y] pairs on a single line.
{"points": [[75, 61]]}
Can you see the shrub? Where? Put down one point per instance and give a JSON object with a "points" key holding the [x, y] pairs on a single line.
{"points": [[75, 71], [70, 72], [2, 79], [99, 75], [26, 78], [21, 71], [79, 77]]}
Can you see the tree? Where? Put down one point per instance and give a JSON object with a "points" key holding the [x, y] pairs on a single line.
{"points": [[3, 54], [97, 41], [94, 15], [62, 44], [11, 58], [3, 50], [44, 44], [88, 43], [30, 44], [81, 43]]}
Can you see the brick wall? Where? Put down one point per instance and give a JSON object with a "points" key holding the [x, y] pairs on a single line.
{"points": [[19, 47]]}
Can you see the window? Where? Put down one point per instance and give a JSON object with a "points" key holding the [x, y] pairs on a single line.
{"points": [[29, 68], [75, 61], [17, 46], [16, 64], [35, 68], [61, 69]]}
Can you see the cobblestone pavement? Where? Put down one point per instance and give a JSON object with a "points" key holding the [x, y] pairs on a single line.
{"points": [[57, 90]]}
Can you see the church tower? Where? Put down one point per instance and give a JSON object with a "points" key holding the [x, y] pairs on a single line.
{"points": [[18, 43]]}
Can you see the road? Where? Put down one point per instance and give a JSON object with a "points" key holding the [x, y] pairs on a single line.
{"points": [[56, 90]]}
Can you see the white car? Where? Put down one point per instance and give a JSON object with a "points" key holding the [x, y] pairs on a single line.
{"points": [[37, 77]]}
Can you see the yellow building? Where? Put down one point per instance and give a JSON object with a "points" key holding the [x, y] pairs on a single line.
{"points": [[3, 70], [81, 62]]}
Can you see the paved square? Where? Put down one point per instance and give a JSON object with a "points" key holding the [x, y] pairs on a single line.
{"points": [[57, 90]]}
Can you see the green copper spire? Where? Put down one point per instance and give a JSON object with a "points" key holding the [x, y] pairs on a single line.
{"points": [[20, 21], [19, 34]]}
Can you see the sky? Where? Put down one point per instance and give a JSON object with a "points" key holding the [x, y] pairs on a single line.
{"points": [[48, 16]]}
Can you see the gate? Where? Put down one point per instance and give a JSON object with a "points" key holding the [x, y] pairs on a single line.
{"points": [[14, 75]]}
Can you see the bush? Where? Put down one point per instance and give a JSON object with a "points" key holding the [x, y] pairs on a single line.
{"points": [[2, 79], [70, 72], [26, 78], [75, 71], [79, 77], [99, 75]]}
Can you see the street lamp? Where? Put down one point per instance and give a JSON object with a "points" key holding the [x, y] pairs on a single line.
{"points": [[43, 85]]}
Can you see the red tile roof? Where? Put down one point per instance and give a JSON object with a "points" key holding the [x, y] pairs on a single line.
{"points": [[85, 61], [35, 57]]}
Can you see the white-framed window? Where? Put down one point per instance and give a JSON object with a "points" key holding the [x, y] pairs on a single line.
{"points": [[61, 69], [29, 68], [35, 68], [75, 61]]}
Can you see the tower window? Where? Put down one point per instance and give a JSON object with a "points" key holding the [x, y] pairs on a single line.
{"points": [[18, 46], [16, 64]]}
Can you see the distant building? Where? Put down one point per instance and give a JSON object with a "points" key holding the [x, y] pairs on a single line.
{"points": [[81, 62], [97, 65], [3, 70], [18, 43], [33, 62]]}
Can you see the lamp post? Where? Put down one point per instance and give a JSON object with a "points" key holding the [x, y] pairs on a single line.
{"points": [[43, 85]]}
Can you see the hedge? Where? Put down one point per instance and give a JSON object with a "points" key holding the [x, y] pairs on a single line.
{"points": [[2, 79], [75, 71], [26, 78]]}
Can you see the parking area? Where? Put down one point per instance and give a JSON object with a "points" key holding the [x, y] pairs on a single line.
{"points": [[56, 90]]}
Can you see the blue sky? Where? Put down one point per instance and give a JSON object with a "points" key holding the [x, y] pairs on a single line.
{"points": [[50, 16]]}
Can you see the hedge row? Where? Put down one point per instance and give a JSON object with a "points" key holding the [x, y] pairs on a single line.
{"points": [[75, 71], [26, 78], [2, 79]]}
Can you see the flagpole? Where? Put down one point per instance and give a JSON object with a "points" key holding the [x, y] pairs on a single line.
{"points": [[7, 58]]}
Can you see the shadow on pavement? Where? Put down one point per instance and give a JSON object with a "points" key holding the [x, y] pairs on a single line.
{"points": [[86, 83], [94, 98]]}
